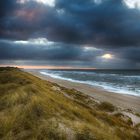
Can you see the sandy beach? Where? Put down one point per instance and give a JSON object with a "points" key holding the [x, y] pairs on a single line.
{"points": [[121, 100]]}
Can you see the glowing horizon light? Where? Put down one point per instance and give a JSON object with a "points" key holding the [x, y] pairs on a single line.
{"points": [[46, 67], [107, 56], [132, 3]]}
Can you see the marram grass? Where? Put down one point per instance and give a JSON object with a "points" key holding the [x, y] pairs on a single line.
{"points": [[34, 109]]}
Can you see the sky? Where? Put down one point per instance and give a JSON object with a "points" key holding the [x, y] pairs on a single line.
{"points": [[102, 34]]}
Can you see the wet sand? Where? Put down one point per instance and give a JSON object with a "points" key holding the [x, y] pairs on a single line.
{"points": [[121, 100]]}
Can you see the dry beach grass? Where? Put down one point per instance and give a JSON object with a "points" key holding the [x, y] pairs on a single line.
{"points": [[35, 109]]}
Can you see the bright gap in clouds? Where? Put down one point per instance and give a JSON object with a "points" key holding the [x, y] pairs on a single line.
{"points": [[47, 2], [97, 1], [50, 3], [132, 3], [107, 56], [37, 41]]}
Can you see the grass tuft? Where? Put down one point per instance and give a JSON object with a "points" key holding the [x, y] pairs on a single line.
{"points": [[105, 106]]}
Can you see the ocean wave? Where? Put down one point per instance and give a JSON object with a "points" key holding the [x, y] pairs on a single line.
{"points": [[106, 86]]}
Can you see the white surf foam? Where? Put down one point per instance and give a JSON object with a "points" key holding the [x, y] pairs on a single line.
{"points": [[104, 85]]}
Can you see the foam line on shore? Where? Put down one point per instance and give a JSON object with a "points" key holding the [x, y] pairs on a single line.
{"points": [[102, 85]]}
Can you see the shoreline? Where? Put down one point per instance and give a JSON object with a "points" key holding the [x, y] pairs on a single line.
{"points": [[123, 101], [93, 85]]}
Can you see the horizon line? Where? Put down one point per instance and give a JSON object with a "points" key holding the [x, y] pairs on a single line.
{"points": [[46, 67], [63, 67]]}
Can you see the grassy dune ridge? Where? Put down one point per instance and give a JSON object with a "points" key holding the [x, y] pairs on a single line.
{"points": [[35, 109]]}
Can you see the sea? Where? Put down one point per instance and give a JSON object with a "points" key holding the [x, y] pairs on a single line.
{"points": [[117, 81]]}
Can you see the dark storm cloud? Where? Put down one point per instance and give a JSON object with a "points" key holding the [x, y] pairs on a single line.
{"points": [[110, 23], [129, 53], [6, 6]]}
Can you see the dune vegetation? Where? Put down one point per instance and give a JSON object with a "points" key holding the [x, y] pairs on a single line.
{"points": [[35, 109]]}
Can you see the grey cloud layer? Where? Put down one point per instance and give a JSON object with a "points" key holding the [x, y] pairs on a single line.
{"points": [[57, 51], [62, 54]]}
